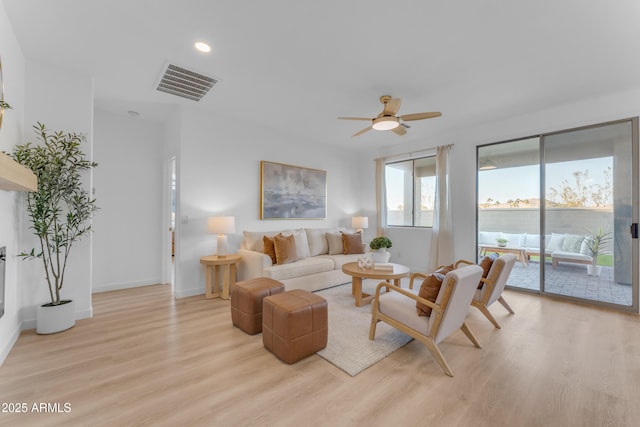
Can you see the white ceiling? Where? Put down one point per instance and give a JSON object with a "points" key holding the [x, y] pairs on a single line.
{"points": [[295, 65]]}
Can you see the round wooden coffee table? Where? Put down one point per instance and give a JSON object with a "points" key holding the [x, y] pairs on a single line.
{"points": [[352, 269]]}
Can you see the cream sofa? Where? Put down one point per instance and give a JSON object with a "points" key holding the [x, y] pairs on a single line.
{"points": [[319, 264], [561, 247]]}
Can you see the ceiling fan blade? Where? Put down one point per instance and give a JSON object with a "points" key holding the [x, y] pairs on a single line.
{"points": [[354, 118], [362, 131], [406, 126], [391, 107], [420, 116], [399, 130]]}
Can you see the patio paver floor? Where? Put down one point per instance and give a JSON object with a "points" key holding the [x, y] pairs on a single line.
{"points": [[572, 280]]}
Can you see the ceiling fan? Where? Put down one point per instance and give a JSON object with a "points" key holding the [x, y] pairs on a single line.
{"points": [[387, 120]]}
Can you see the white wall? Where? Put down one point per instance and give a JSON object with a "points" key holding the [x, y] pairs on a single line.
{"points": [[63, 101], [219, 174], [128, 227], [13, 70]]}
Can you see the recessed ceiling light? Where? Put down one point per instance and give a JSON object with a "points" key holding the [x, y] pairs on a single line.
{"points": [[203, 47]]}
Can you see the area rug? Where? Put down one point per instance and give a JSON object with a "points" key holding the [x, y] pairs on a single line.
{"points": [[348, 346]]}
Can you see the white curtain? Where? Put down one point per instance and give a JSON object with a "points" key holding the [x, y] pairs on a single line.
{"points": [[381, 198], [442, 235]]}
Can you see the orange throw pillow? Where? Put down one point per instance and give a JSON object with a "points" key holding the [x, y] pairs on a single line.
{"points": [[430, 288], [486, 264], [352, 243], [269, 248], [285, 248]]}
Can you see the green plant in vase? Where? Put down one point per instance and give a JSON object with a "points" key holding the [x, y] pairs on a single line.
{"points": [[60, 210]]}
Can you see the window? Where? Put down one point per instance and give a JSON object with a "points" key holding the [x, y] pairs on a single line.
{"points": [[411, 184]]}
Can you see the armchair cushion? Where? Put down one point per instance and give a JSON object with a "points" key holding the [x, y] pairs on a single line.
{"points": [[486, 264], [430, 288]]}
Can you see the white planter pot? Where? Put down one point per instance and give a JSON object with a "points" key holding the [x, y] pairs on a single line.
{"points": [[55, 318], [594, 270], [380, 255]]}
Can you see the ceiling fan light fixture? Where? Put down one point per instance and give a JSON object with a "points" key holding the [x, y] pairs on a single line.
{"points": [[385, 123]]}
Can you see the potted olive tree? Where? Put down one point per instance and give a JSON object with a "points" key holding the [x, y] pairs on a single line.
{"points": [[59, 211], [596, 244], [379, 247]]}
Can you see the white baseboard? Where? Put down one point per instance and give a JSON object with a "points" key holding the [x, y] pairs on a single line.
{"points": [[125, 285], [6, 349], [184, 293]]}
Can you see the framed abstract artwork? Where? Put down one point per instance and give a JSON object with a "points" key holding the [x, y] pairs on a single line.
{"points": [[292, 192]]}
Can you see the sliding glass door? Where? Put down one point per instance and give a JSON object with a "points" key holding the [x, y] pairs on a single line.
{"points": [[509, 206], [564, 204], [588, 213]]}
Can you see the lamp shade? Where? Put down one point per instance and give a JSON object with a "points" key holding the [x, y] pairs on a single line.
{"points": [[360, 222], [221, 224]]}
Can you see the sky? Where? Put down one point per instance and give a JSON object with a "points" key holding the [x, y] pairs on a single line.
{"points": [[522, 182]]}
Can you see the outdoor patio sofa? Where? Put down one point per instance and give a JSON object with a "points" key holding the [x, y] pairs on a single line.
{"points": [[571, 248]]}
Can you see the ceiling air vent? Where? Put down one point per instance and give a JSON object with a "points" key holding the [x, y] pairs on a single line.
{"points": [[185, 83]]}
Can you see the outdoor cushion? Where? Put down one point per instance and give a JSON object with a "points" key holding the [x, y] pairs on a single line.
{"points": [[572, 242]]}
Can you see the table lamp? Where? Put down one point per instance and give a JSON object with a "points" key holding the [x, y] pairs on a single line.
{"points": [[360, 222], [222, 225]]}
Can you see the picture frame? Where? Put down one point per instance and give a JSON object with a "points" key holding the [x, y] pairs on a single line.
{"points": [[292, 192]]}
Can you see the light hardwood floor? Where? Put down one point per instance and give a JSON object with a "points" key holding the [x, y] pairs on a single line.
{"points": [[145, 359]]}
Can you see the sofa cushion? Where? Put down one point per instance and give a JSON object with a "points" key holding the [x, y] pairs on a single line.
{"points": [[570, 255], [285, 248], [584, 246], [514, 240], [269, 248], [335, 243], [299, 268], [302, 244], [352, 243], [252, 240], [572, 242], [532, 241], [317, 240], [340, 259], [430, 288], [555, 243], [488, 237]]}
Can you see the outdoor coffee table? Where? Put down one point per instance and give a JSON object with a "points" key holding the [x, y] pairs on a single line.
{"points": [[352, 269]]}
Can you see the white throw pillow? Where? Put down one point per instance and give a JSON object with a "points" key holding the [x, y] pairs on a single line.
{"points": [[302, 244], [555, 244], [318, 244]]}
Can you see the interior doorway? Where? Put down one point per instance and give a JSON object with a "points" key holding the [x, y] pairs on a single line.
{"points": [[169, 210]]}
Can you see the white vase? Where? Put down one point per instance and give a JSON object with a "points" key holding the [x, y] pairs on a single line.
{"points": [[380, 255], [55, 318], [594, 270]]}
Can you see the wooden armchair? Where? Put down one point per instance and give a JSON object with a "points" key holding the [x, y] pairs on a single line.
{"points": [[397, 307], [493, 285]]}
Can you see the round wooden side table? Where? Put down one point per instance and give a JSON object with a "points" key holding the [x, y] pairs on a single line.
{"points": [[213, 264]]}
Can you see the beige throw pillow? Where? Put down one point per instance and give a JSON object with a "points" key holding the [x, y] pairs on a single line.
{"points": [[335, 243]]}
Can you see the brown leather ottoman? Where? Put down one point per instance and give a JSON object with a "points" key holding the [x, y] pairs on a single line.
{"points": [[294, 324], [246, 302]]}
